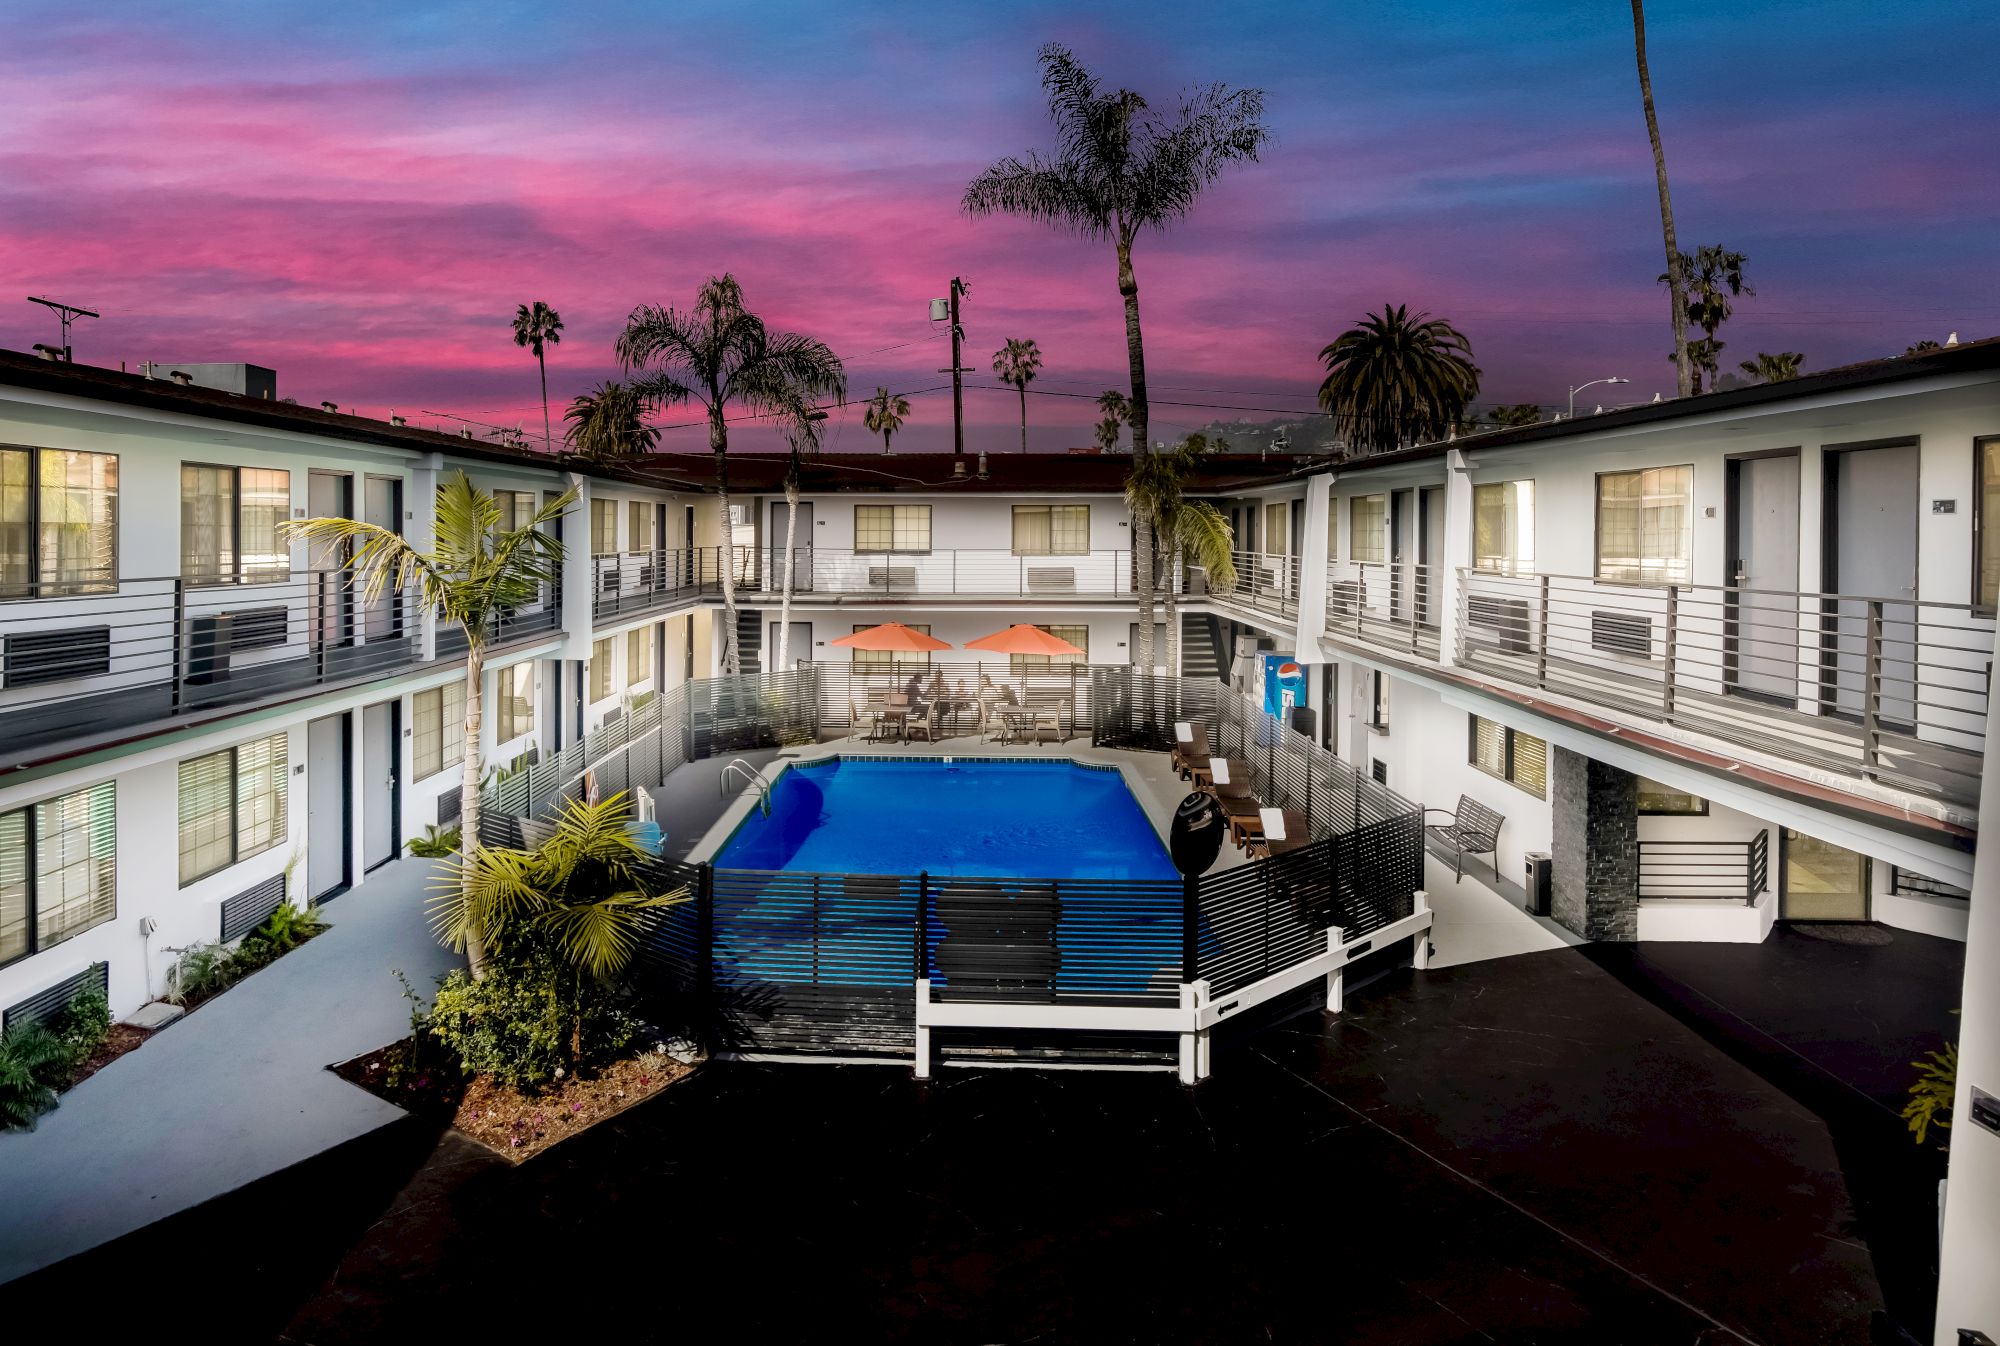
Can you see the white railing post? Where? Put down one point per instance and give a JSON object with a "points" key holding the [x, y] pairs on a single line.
{"points": [[1336, 980], [1420, 902], [1204, 1064], [923, 1032], [1190, 1006]]}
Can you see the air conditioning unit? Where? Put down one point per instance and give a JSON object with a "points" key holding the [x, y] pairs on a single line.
{"points": [[1506, 617]]}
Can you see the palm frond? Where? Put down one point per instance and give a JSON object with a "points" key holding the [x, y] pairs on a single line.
{"points": [[601, 936], [1203, 532], [381, 559], [484, 894]]}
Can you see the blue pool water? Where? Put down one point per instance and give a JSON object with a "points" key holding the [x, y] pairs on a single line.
{"points": [[995, 819]]}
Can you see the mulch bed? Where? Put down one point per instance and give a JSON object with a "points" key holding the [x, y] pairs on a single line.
{"points": [[121, 1039], [503, 1119]]}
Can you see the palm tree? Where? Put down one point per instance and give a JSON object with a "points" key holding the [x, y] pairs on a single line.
{"points": [[1924, 347], [802, 431], [538, 328], [1710, 279], [1512, 415], [1117, 413], [1768, 368], [474, 575], [1393, 379], [1016, 365], [1193, 529], [885, 415], [609, 423], [1118, 169], [1676, 279], [721, 355]]}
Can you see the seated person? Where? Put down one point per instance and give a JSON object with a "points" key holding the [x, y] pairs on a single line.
{"points": [[914, 689], [938, 691]]}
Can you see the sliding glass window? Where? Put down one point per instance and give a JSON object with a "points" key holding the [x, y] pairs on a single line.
{"points": [[58, 523], [229, 524], [1645, 524], [1503, 527]]}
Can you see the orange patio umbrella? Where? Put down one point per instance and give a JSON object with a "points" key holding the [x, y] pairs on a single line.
{"points": [[893, 638], [1020, 639]]}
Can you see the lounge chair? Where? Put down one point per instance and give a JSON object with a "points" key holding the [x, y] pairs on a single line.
{"points": [[1473, 828], [1297, 833], [1189, 752]]}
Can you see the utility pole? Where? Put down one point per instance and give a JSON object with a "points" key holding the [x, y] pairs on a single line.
{"points": [[958, 369]]}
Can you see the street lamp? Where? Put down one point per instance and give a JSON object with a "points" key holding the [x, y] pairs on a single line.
{"points": [[1581, 386]]}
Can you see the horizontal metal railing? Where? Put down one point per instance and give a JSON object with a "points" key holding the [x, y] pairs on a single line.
{"points": [[638, 581], [136, 651], [1394, 605], [1736, 871], [951, 572], [1880, 688], [1265, 583]]}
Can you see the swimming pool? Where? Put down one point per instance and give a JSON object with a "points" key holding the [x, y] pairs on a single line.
{"points": [[994, 818]]}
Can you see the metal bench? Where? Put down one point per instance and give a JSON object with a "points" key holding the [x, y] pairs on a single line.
{"points": [[1473, 829]]}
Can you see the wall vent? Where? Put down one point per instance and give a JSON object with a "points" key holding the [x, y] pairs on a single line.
{"points": [[1627, 633], [45, 1007], [53, 656], [249, 909]]}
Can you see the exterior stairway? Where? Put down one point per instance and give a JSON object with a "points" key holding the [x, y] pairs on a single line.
{"points": [[750, 639], [1201, 647]]}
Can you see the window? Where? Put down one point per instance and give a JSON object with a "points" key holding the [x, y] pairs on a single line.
{"points": [[639, 535], [232, 805], [1986, 524], [1643, 524], [516, 508], [513, 702], [1049, 530], [638, 656], [1655, 798], [600, 669], [603, 526], [1078, 636], [1367, 527], [1378, 701], [1278, 529], [1503, 527], [1509, 754], [58, 869], [892, 528], [58, 522], [437, 735], [885, 661], [229, 524]]}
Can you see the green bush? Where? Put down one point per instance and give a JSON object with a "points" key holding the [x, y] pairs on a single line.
{"points": [[34, 1065], [201, 970], [83, 1026], [435, 844], [285, 929], [527, 1022]]}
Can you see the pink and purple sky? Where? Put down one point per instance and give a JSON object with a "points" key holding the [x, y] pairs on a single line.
{"points": [[359, 194]]}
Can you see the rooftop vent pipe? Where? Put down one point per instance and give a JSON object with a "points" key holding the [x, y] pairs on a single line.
{"points": [[330, 406], [181, 376], [396, 420]]}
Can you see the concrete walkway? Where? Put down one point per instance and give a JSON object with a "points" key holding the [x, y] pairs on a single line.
{"points": [[1475, 923], [234, 1092]]}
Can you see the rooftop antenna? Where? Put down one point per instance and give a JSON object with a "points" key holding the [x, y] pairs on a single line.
{"points": [[66, 314]]}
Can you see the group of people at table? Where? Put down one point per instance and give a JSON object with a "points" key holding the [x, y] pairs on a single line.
{"points": [[1254, 829], [920, 708]]}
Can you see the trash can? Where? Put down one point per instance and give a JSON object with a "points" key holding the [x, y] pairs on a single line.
{"points": [[1538, 881]]}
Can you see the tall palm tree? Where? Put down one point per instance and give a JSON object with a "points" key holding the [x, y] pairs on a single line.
{"points": [[885, 415], [1193, 529], [538, 328], [1116, 412], [1016, 365], [722, 356], [802, 431], [1768, 368], [609, 423], [1117, 169], [1395, 379], [1676, 279], [1710, 280], [475, 573]]}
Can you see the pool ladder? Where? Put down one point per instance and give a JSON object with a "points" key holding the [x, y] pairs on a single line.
{"points": [[752, 777]]}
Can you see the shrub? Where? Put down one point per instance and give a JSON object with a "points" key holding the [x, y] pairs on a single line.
{"points": [[285, 929], [202, 970], [34, 1064], [1931, 1096], [527, 1021], [435, 844], [83, 1026]]}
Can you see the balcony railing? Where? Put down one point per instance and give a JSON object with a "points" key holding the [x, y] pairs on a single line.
{"points": [[1264, 583], [1391, 604], [1886, 689], [640, 581], [140, 651], [1731, 871], [952, 572]]}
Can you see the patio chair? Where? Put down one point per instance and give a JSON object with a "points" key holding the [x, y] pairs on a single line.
{"points": [[1049, 722], [926, 726], [1473, 829], [1189, 752], [871, 719]]}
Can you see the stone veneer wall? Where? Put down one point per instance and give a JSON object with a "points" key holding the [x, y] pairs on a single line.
{"points": [[1595, 807]]}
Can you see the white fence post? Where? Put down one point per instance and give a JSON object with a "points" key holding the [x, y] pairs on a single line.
{"points": [[1204, 1064], [1336, 979], [1420, 901], [1190, 1005], [923, 1033]]}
